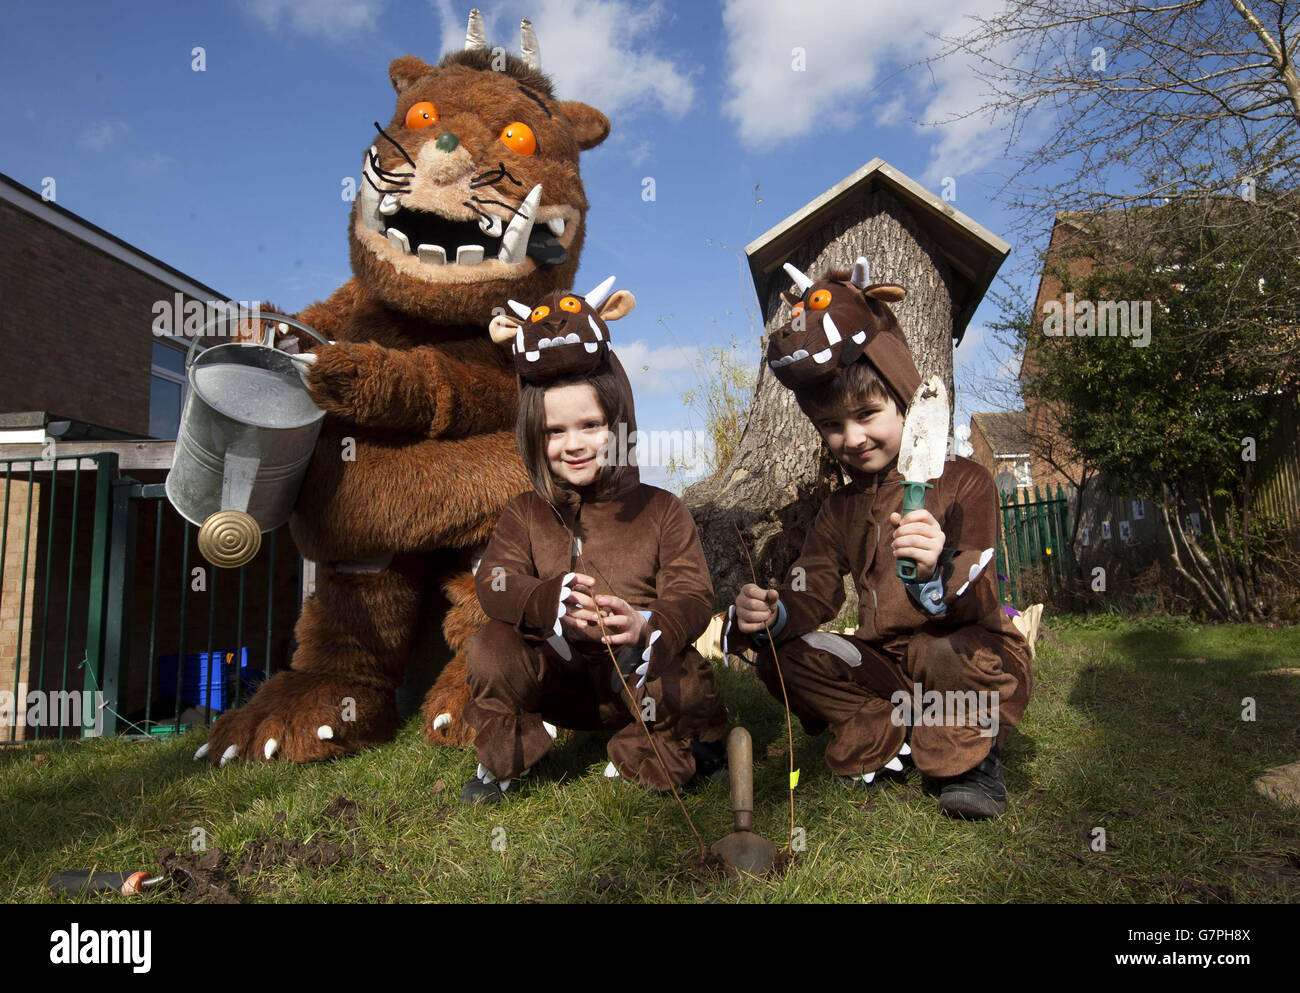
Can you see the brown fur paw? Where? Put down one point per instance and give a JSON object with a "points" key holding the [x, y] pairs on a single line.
{"points": [[302, 717], [444, 705]]}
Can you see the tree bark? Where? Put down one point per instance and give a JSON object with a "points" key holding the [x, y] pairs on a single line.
{"points": [[781, 472]]}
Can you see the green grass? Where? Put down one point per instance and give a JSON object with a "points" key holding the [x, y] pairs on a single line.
{"points": [[1117, 736]]}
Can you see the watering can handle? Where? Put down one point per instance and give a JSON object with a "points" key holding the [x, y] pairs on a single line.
{"points": [[277, 318]]}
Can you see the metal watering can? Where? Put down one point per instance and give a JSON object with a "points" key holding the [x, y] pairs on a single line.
{"points": [[246, 435]]}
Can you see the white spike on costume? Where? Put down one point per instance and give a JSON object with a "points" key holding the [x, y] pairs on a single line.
{"points": [[597, 296], [520, 309], [798, 278], [832, 332], [475, 36], [528, 50], [861, 274]]}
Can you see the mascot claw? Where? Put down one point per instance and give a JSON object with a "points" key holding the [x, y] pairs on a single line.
{"points": [[202, 752], [229, 754], [441, 721], [324, 732]]}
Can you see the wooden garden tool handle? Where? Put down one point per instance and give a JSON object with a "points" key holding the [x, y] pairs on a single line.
{"points": [[740, 765]]}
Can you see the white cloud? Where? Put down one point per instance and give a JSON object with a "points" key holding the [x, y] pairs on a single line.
{"points": [[597, 51], [848, 85], [333, 20], [97, 136], [666, 369]]}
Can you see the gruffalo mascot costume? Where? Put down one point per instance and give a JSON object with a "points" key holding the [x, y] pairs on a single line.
{"points": [[470, 196]]}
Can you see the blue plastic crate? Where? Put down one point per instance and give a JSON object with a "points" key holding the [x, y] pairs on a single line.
{"points": [[206, 680]]}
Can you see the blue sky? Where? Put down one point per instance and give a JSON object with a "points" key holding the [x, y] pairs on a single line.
{"points": [[234, 174]]}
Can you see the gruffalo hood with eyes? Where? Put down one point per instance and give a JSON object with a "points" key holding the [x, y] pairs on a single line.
{"points": [[834, 322], [565, 334]]}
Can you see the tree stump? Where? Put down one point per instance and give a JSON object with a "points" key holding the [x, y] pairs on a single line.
{"points": [[781, 471]]}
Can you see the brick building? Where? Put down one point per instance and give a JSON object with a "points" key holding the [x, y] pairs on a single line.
{"points": [[95, 564]]}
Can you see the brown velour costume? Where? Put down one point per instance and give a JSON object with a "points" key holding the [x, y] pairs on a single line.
{"points": [[639, 543], [469, 195], [962, 642]]}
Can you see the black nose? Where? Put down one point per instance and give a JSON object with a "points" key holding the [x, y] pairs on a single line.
{"points": [[447, 142]]}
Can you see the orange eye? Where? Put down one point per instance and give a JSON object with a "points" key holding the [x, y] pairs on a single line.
{"points": [[571, 304], [797, 309], [519, 138], [421, 115], [539, 314], [820, 300]]}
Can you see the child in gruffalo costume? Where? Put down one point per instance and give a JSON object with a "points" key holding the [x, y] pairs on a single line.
{"points": [[470, 194], [589, 536], [845, 357]]}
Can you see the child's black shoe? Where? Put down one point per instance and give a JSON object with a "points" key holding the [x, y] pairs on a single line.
{"points": [[710, 764], [976, 794], [483, 787]]}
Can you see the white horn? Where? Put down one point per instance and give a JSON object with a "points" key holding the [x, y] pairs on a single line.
{"points": [[861, 274], [799, 279], [475, 36], [528, 49], [519, 309], [597, 296]]}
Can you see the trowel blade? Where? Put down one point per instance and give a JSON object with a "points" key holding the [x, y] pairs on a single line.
{"points": [[925, 433]]}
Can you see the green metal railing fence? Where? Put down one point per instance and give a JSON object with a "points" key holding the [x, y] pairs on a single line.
{"points": [[62, 611], [1035, 536]]}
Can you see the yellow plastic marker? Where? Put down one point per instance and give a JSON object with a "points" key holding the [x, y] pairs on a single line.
{"points": [[794, 779]]}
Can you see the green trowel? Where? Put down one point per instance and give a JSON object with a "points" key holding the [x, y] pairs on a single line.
{"points": [[922, 453]]}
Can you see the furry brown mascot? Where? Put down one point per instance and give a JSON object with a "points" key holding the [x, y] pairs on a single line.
{"points": [[471, 195]]}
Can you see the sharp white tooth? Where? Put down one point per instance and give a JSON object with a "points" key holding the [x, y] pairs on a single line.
{"points": [[572, 338], [399, 240], [532, 356], [543, 342], [822, 356], [802, 353], [519, 309], [469, 254], [514, 243], [595, 327], [832, 332], [389, 205], [591, 346], [432, 255], [860, 337], [519, 340], [368, 202], [556, 224], [490, 226]]}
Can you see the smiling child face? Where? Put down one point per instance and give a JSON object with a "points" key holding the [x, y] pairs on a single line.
{"points": [[863, 434], [575, 431]]}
